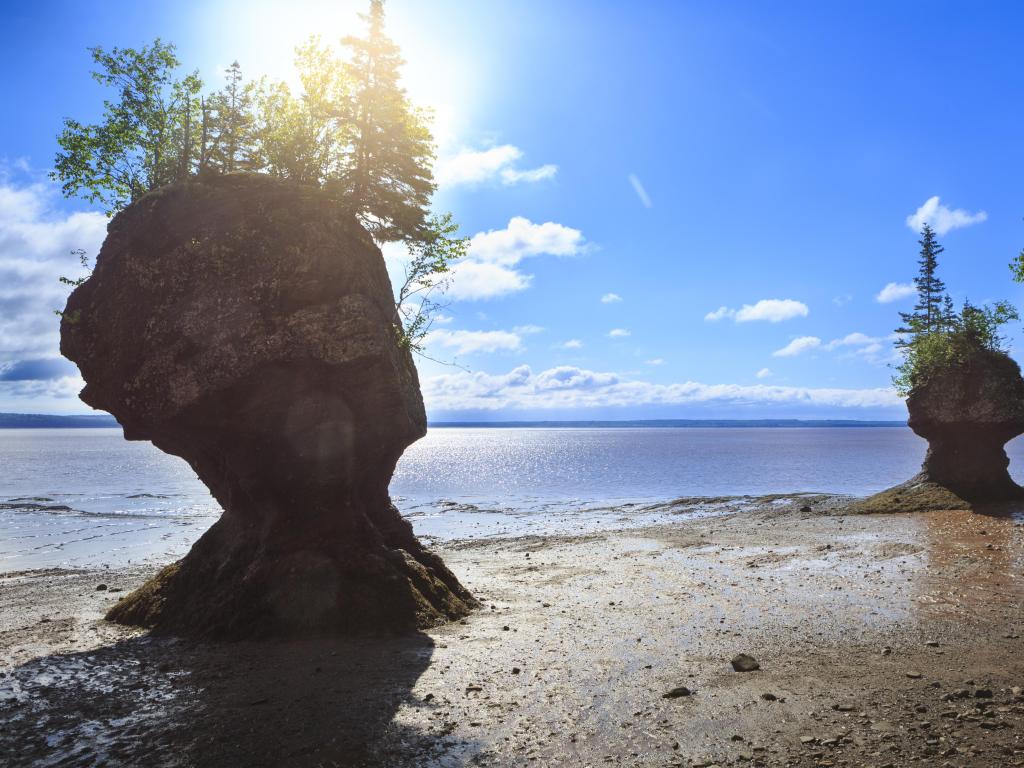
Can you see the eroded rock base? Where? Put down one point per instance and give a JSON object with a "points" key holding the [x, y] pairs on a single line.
{"points": [[226, 590]]}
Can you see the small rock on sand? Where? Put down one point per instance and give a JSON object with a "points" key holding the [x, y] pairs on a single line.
{"points": [[677, 693], [743, 662]]}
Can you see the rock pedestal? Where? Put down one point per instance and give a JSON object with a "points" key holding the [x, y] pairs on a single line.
{"points": [[247, 325], [967, 412]]}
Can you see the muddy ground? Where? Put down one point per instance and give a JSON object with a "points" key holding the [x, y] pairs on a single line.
{"points": [[883, 640]]}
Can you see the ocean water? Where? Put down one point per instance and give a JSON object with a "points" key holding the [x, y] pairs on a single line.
{"points": [[87, 497]]}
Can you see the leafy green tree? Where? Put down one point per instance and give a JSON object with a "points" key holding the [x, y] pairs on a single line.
{"points": [[426, 279], [387, 176], [145, 139]]}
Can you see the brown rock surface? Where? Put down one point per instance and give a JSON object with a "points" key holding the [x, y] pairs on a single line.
{"points": [[967, 412], [247, 325]]}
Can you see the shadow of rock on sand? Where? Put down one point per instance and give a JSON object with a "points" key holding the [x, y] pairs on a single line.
{"points": [[164, 702]]}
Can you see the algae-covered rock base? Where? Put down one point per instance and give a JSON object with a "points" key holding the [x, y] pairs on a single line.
{"points": [[247, 325]]}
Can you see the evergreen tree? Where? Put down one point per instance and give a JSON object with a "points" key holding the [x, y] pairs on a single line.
{"points": [[933, 308], [232, 145], [387, 176]]}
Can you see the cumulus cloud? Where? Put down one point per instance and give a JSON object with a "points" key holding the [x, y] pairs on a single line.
{"points": [[569, 387], [572, 344], [489, 269], [942, 218], [36, 239], [764, 373], [470, 342], [618, 333], [638, 187], [474, 166], [874, 349], [798, 346], [894, 292], [765, 310], [611, 298], [655, 361]]}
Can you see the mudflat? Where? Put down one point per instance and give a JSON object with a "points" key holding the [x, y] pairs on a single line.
{"points": [[880, 640]]}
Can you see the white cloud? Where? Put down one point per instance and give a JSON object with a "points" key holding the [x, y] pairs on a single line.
{"points": [[645, 199], [618, 333], [570, 387], [471, 166], [771, 310], [765, 310], [655, 361], [514, 176], [473, 280], [842, 300], [572, 344], [528, 330], [719, 313], [874, 349], [36, 240], [798, 346], [611, 298], [764, 373], [522, 238], [469, 342], [941, 218], [894, 292], [488, 269]]}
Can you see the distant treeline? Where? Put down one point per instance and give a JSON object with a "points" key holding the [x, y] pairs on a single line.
{"points": [[655, 423], [41, 420], [37, 420]]}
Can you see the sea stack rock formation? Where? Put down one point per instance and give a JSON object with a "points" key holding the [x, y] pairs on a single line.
{"points": [[967, 412], [247, 325]]}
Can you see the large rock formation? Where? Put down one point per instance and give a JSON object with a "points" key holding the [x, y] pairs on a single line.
{"points": [[967, 411], [247, 325]]}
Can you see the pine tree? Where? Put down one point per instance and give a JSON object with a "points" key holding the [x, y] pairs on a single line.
{"points": [[387, 178], [933, 308], [232, 142]]}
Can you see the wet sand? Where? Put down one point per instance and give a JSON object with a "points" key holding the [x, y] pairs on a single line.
{"points": [[883, 640]]}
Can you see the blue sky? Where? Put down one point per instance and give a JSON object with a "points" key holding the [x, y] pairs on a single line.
{"points": [[629, 173]]}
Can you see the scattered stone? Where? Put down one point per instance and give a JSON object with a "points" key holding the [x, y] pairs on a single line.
{"points": [[743, 662], [677, 693], [769, 697], [983, 693], [101, 587], [516, 670], [914, 675]]}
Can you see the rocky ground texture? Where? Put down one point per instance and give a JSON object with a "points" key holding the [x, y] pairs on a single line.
{"points": [[879, 640]]}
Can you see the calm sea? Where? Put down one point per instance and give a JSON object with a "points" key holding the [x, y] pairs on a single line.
{"points": [[86, 497]]}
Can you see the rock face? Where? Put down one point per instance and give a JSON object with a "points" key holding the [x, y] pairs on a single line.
{"points": [[247, 325], [967, 413]]}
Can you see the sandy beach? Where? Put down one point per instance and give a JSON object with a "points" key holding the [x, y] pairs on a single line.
{"points": [[882, 640]]}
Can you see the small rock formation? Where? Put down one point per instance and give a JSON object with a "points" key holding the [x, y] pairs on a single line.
{"points": [[246, 324], [967, 412]]}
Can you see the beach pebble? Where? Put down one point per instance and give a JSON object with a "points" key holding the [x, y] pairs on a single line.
{"points": [[677, 693], [743, 662], [101, 587], [914, 675]]}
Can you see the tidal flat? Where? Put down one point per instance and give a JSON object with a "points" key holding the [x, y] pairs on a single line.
{"points": [[881, 640]]}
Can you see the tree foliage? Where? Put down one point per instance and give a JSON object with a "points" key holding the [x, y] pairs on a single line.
{"points": [[350, 130], [934, 336]]}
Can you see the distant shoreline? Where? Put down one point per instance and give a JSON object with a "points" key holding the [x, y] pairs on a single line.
{"points": [[94, 421]]}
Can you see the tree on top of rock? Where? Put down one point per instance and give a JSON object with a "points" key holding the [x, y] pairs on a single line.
{"points": [[350, 130], [934, 337]]}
